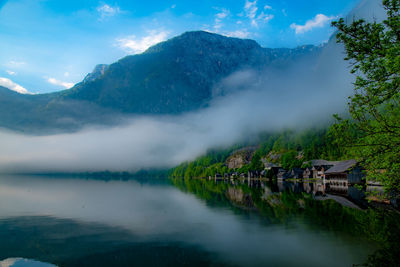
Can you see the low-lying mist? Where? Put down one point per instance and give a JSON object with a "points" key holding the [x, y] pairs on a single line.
{"points": [[301, 95]]}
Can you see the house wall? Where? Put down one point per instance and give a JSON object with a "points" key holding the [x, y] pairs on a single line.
{"points": [[355, 176], [307, 174], [318, 174], [340, 182]]}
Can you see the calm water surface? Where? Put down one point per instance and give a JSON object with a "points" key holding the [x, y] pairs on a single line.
{"points": [[70, 222]]}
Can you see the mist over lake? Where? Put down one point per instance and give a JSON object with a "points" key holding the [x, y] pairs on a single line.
{"points": [[155, 215]]}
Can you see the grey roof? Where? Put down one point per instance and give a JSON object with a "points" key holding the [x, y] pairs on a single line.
{"points": [[322, 162], [342, 166]]}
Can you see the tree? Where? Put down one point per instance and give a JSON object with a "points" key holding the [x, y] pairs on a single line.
{"points": [[289, 160], [373, 131], [256, 163]]}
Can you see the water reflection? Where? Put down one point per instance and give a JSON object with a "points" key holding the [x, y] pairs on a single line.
{"points": [[282, 202], [344, 194], [70, 221]]}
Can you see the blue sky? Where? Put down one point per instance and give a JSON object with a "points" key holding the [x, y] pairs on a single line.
{"points": [[48, 45]]}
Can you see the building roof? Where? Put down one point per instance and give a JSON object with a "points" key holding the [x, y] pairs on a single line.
{"points": [[342, 166], [322, 162]]}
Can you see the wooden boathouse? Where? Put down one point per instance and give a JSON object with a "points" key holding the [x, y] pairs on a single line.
{"points": [[343, 174]]}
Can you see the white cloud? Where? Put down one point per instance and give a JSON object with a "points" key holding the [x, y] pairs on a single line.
{"points": [[223, 14], [251, 11], [13, 86], [10, 72], [135, 45], [319, 21], [265, 17], [54, 81], [238, 34], [219, 17], [108, 11]]}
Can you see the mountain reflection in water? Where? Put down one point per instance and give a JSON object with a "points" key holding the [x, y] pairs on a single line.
{"points": [[71, 222]]}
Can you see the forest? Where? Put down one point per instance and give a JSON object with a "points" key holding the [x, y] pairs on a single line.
{"points": [[291, 150]]}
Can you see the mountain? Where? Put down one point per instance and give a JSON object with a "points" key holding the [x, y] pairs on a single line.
{"points": [[97, 72], [17, 109], [177, 75], [369, 10], [171, 77], [45, 114]]}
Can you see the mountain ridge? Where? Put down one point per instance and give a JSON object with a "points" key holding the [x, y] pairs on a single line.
{"points": [[193, 60], [171, 77]]}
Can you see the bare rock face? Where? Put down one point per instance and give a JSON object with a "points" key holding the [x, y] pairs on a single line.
{"points": [[240, 157], [236, 162], [274, 157]]}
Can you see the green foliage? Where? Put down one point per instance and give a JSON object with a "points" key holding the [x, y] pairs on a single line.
{"points": [[205, 166], [373, 132], [256, 163], [270, 174], [313, 143], [375, 225], [245, 169], [290, 160]]}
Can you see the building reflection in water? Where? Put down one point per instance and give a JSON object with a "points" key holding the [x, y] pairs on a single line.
{"points": [[315, 187]]}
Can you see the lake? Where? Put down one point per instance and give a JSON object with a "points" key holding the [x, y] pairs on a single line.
{"points": [[89, 222]]}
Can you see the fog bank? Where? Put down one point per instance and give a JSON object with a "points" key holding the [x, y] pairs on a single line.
{"points": [[304, 94]]}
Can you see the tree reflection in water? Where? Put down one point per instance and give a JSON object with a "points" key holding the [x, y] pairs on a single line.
{"points": [[281, 202]]}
